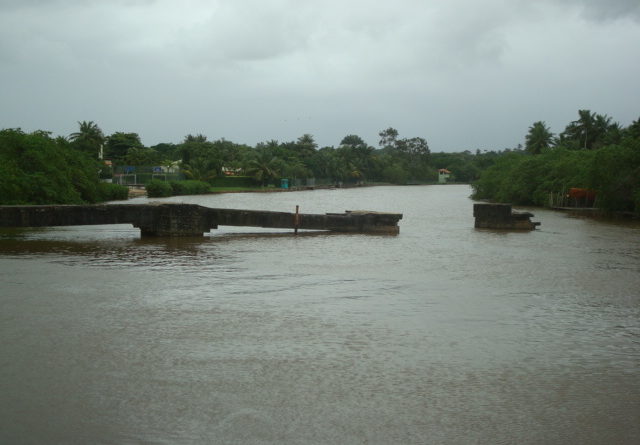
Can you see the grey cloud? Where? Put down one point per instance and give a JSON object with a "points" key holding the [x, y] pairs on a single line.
{"points": [[463, 74], [604, 10]]}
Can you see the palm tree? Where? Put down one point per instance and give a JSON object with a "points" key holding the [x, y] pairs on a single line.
{"points": [[199, 138], [539, 138], [591, 131], [264, 166], [582, 133], [89, 138], [200, 169], [633, 130]]}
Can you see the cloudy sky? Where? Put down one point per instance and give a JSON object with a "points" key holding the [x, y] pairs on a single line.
{"points": [[463, 74]]}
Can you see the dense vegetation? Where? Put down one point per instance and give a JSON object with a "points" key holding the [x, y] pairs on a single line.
{"points": [[592, 153], [157, 189], [398, 160], [37, 169]]}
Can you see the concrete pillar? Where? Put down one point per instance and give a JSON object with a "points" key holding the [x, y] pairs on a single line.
{"points": [[175, 220]]}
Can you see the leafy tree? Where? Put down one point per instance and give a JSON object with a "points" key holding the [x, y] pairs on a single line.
{"points": [[633, 130], [89, 138], [142, 156], [37, 169], [199, 138], [411, 153], [167, 151], [615, 175], [395, 173], [326, 164], [539, 138], [414, 147], [611, 169], [192, 146], [295, 169], [353, 141], [356, 160], [231, 155], [388, 137], [201, 155], [118, 145], [464, 165]]}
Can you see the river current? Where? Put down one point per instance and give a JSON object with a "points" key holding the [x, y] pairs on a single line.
{"points": [[444, 334]]}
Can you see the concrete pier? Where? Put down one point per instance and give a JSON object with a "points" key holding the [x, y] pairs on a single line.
{"points": [[168, 219], [500, 216]]}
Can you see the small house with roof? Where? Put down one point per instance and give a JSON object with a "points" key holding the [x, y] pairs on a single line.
{"points": [[443, 176]]}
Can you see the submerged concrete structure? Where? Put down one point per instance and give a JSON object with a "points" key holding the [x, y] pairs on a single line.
{"points": [[168, 219], [500, 216]]}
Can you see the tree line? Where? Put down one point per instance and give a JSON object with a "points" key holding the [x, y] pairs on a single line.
{"points": [[397, 160], [592, 152], [36, 168]]}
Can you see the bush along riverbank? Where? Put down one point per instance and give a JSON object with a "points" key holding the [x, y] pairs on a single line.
{"points": [[159, 189], [37, 169], [611, 171], [162, 189]]}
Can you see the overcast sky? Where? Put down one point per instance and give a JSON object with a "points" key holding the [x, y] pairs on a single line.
{"points": [[463, 74]]}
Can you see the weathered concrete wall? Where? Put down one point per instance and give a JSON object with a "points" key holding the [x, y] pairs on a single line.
{"points": [[500, 216], [175, 220], [152, 219], [67, 215], [169, 219], [350, 221]]}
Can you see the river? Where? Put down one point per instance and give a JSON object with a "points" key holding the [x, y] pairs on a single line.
{"points": [[443, 334]]}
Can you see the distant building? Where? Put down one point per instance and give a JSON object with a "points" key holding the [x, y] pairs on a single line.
{"points": [[228, 171], [443, 176]]}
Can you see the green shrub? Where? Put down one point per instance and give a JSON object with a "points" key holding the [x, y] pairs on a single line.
{"points": [[36, 169], [233, 181], [395, 174], [615, 175], [159, 189], [189, 187], [112, 192]]}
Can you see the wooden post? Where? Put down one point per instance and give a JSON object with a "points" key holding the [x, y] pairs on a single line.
{"points": [[296, 220]]}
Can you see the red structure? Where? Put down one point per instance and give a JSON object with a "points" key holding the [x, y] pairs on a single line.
{"points": [[579, 197]]}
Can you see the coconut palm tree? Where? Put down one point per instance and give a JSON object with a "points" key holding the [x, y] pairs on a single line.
{"points": [[264, 166], [200, 169], [591, 131], [538, 138], [89, 138]]}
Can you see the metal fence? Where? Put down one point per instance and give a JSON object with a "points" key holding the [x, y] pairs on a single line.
{"points": [[140, 175]]}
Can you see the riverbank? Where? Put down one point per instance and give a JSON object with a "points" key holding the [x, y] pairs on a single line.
{"points": [[140, 190], [137, 191], [594, 212]]}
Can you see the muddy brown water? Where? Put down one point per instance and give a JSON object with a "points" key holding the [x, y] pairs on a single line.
{"points": [[443, 334]]}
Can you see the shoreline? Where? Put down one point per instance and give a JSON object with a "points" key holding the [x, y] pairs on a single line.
{"points": [[139, 191]]}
